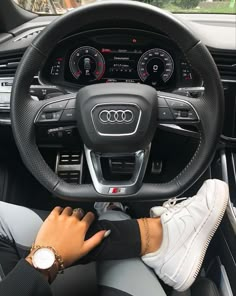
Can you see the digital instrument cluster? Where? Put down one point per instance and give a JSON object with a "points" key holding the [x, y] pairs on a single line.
{"points": [[88, 64], [118, 56]]}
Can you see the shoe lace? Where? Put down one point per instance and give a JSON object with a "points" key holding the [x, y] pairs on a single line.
{"points": [[171, 204]]}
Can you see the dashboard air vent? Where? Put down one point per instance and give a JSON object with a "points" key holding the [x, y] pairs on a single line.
{"points": [[9, 63], [226, 64]]}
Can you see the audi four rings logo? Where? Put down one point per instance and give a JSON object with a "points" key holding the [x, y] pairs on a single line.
{"points": [[116, 116]]}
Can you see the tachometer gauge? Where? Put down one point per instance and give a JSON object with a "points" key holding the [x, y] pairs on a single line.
{"points": [[87, 64], [155, 67]]}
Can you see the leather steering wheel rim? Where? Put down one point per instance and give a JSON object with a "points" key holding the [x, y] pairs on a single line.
{"points": [[24, 109]]}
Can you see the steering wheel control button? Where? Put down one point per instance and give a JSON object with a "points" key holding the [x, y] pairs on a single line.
{"points": [[184, 115], [162, 102], [68, 115], [192, 115], [56, 106], [42, 117], [165, 114], [49, 116], [182, 111], [71, 104], [178, 105]]}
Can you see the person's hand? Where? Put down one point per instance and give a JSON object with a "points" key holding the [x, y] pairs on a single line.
{"points": [[65, 230]]}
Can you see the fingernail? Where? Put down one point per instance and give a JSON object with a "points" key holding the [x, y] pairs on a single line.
{"points": [[107, 233]]}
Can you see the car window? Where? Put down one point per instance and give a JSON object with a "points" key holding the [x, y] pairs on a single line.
{"points": [[179, 6]]}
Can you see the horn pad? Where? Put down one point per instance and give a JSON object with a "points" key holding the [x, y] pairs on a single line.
{"points": [[116, 117]]}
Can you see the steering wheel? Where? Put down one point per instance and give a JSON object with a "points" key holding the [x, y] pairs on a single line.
{"points": [[119, 118]]}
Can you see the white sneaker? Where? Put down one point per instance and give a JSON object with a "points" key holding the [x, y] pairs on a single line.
{"points": [[103, 207], [187, 230]]}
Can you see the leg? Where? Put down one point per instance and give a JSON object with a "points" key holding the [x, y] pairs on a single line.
{"points": [[189, 223], [18, 228], [122, 277]]}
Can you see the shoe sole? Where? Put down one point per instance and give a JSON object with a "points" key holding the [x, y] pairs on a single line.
{"points": [[198, 262]]}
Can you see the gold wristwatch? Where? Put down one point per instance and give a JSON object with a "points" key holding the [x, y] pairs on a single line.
{"points": [[47, 261]]}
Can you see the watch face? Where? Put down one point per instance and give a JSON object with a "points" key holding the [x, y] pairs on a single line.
{"points": [[43, 258]]}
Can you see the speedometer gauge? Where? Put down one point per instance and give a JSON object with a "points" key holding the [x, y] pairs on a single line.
{"points": [[155, 67], [87, 64]]}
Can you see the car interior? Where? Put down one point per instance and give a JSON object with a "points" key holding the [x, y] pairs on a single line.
{"points": [[119, 101]]}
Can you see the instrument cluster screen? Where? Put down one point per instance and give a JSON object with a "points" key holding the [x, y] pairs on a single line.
{"points": [[121, 63], [98, 57], [88, 64]]}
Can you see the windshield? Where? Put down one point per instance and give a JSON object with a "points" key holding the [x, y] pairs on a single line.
{"points": [[178, 6]]}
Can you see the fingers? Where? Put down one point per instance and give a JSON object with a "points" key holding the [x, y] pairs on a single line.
{"points": [[94, 241], [67, 211], [78, 213], [88, 220], [55, 212]]}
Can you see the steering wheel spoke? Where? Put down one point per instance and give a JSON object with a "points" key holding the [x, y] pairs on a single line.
{"points": [[103, 186], [59, 110], [179, 130], [177, 109]]}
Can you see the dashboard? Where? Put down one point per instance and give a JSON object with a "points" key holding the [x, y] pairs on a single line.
{"points": [[118, 55], [115, 54]]}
